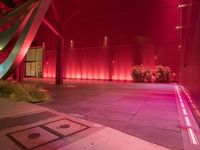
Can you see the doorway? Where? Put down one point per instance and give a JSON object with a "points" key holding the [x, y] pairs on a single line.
{"points": [[34, 62]]}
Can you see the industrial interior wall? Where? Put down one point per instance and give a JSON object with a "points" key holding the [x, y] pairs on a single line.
{"points": [[110, 44], [189, 62]]}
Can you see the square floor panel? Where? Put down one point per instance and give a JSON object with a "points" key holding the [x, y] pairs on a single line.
{"points": [[32, 137], [65, 127]]}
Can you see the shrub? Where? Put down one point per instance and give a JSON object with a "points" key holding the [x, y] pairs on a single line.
{"points": [[5, 89], [162, 74], [147, 74], [167, 74], [23, 92], [159, 73], [137, 74], [35, 93]]}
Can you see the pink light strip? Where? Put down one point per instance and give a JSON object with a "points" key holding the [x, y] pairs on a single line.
{"points": [[192, 136], [182, 105], [184, 111], [187, 121]]}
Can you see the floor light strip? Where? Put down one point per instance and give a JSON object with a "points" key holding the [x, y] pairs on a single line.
{"points": [[191, 102], [182, 105], [184, 111], [187, 121], [192, 135]]}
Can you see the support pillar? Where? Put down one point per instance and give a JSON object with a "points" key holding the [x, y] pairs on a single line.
{"points": [[19, 73], [59, 61]]}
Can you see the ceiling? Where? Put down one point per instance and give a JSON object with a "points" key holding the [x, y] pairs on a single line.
{"points": [[96, 8]]}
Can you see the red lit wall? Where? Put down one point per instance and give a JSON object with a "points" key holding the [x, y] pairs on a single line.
{"points": [[189, 62], [138, 32], [49, 64], [123, 62], [86, 63]]}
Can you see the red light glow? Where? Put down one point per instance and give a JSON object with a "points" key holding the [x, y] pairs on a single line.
{"points": [[197, 112], [194, 106]]}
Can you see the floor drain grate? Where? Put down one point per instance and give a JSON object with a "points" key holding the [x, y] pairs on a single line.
{"points": [[64, 126], [34, 135], [46, 133]]}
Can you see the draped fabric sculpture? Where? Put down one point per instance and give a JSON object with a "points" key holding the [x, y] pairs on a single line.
{"points": [[17, 30]]}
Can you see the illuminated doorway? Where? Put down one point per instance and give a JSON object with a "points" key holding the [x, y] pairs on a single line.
{"points": [[34, 62]]}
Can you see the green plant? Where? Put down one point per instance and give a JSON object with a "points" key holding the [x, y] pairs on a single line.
{"points": [[4, 89], [35, 93], [23, 92], [137, 74]]}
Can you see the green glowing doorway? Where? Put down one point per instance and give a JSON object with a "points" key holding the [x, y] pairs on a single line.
{"points": [[34, 62]]}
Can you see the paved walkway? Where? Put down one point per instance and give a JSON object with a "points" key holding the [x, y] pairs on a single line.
{"points": [[25, 126]]}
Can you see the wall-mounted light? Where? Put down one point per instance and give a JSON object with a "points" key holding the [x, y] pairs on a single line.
{"points": [[43, 45], [71, 44], [179, 27], [182, 27], [155, 57], [105, 43], [184, 5], [179, 48]]}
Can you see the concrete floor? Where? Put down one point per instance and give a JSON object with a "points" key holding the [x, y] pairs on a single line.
{"points": [[147, 111], [26, 126]]}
